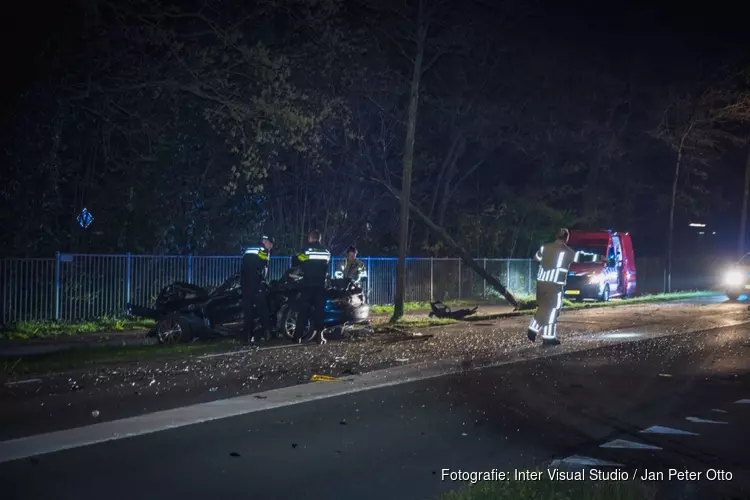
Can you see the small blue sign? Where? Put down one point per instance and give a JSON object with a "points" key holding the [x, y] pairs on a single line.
{"points": [[85, 218]]}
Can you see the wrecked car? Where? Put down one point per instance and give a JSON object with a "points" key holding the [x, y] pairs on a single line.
{"points": [[184, 312]]}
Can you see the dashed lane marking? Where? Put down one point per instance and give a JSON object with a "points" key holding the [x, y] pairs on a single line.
{"points": [[625, 444], [658, 429], [742, 402], [719, 411], [698, 420], [583, 461]]}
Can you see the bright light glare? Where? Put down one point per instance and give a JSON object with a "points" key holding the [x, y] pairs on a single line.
{"points": [[696, 224], [621, 335], [733, 277], [596, 278], [613, 336]]}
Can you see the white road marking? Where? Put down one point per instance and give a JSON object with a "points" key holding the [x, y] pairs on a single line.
{"points": [[704, 421], [205, 412], [623, 443], [719, 411], [27, 381], [742, 402], [658, 429], [583, 461]]}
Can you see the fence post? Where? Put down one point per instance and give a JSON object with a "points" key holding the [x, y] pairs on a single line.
{"points": [[57, 286], [127, 279], [432, 279], [484, 282], [190, 269], [367, 282], [528, 280], [507, 275], [459, 279]]}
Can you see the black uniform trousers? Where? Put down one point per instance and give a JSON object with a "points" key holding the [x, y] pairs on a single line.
{"points": [[254, 305], [310, 307]]}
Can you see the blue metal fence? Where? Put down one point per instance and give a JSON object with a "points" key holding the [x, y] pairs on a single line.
{"points": [[72, 287]]}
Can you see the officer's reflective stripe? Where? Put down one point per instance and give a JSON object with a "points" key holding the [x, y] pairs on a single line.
{"points": [[560, 257], [318, 255], [262, 253]]}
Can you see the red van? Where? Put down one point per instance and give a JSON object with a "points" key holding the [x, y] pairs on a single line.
{"points": [[604, 268]]}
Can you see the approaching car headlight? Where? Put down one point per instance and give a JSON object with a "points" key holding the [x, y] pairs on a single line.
{"points": [[734, 278], [595, 279]]}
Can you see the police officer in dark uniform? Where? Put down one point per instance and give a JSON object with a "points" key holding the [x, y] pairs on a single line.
{"points": [[314, 262], [254, 296]]}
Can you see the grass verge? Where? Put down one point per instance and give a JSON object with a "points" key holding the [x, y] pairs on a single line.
{"points": [[425, 306], [547, 489], [26, 330], [75, 359]]}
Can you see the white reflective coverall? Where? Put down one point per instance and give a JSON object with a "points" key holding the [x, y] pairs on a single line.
{"points": [[555, 259]]}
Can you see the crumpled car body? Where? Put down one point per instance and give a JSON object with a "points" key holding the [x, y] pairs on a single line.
{"points": [[185, 312]]}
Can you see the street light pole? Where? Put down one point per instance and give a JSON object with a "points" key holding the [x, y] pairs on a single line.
{"points": [[743, 218]]}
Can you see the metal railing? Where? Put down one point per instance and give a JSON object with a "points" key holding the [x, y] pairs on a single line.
{"points": [[73, 287]]}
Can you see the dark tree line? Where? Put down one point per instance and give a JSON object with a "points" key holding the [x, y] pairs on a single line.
{"points": [[192, 128]]}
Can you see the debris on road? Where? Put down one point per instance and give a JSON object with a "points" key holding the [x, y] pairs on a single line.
{"points": [[95, 413], [323, 378], [21, 382]]}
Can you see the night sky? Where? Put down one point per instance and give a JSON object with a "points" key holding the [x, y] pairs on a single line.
{"points": [[665, 44]]}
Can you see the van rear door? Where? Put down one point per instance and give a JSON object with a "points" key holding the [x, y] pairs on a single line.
{"points": [[628, 264]]}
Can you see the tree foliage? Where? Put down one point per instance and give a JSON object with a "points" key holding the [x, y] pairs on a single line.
{"points": [[194, 127]]}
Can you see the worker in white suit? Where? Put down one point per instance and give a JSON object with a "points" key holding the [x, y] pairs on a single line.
{"points": [[555, 259]]}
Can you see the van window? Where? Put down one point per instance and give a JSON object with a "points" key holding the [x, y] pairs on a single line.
{"points": [[590, 255]]}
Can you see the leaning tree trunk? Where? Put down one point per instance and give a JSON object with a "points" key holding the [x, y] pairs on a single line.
{"points": [[465, 256], [743, 218], [408, 160]]}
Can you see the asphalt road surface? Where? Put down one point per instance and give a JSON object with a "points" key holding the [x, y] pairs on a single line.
{"points": [[669, 370]]}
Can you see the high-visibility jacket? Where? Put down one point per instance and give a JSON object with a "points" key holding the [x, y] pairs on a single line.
{"points": [[555, 259], [255, 264], [314, 262], [354, 270]]}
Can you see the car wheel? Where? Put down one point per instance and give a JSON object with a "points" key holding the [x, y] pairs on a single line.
{"points": [[288, 323], [172, 329], [605, 294], [733, 296]]}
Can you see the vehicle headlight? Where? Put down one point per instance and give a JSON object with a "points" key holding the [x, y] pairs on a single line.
{"points": [[595, 279], [734, 277]]}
